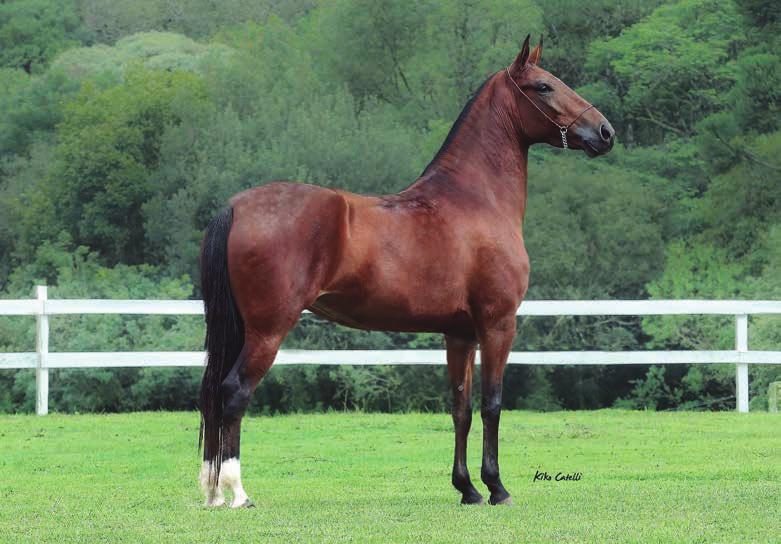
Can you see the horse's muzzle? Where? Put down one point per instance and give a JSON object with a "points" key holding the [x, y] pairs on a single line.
{"points": [[597, 141]]}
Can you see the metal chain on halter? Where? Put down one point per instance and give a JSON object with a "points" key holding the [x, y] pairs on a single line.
{"points": [[562, 128]]}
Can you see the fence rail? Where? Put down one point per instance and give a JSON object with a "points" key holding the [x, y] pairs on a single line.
{"points": [[41, 360]]}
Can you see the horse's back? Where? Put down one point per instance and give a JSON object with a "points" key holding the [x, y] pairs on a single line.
{"points": [[280, 202]]}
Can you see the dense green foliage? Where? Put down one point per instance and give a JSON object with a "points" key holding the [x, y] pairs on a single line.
{"points": [[125, 124], [377, 478]]}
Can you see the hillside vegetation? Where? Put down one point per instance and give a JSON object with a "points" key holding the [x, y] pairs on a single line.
{"points": [[124, 126]]}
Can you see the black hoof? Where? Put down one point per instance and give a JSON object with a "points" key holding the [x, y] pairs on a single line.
{"points": [[504, 500], [472, 498]]}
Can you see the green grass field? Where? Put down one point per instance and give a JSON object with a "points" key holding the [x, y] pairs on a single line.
{"points": [[650, 477]]}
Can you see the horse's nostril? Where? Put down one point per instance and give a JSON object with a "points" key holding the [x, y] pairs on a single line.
{"points": [[605, 132]]}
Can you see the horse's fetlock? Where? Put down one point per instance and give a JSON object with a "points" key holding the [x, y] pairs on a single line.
{"points": [[490, 475], [461, 478]]}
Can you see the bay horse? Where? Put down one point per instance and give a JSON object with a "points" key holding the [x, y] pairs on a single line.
{"points": [[445, 255]]}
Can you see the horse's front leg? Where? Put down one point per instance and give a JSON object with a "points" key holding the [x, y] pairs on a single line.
{"points": [[460, 362], [495, 342]]}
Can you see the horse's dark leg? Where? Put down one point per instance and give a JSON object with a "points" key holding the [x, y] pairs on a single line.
{"points": [[495, 343], [255, 360], [460, 362]]}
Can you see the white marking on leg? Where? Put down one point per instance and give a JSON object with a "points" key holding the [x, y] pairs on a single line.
{"points": [[214, 496], [230, 478]]}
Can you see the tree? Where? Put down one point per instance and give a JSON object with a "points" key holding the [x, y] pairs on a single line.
{"points": [[32, 32], [425, 58], [742, 202], [30, 108], [671, 69], [109, 144], [112, 20], [152, 50], [571, 26]]}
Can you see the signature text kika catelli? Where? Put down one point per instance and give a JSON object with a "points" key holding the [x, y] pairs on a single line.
{"points": [[543, 476]]}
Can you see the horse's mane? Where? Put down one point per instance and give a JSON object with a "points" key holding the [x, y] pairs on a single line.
{"points": [[457, 125]]}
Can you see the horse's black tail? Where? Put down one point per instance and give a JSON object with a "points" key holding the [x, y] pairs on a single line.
{"points": [[224, 335]]}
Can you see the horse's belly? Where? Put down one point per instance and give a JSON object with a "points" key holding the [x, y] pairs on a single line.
{"points": [[392, 315]]}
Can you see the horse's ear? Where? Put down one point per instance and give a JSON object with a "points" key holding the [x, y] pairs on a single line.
{"points": [[536, 54], [523, 56]]}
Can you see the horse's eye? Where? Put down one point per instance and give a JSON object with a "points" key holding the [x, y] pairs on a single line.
{"points": [[543, 88]]}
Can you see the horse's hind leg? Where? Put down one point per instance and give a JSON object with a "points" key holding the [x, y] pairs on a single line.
{"points": [[281, 250], [460, 362], [254, 362]]}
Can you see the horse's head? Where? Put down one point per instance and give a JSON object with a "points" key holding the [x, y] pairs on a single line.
{"points": [[549, 111]]}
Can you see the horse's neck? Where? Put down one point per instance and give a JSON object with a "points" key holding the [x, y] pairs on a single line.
{"points": [[484, 160]]}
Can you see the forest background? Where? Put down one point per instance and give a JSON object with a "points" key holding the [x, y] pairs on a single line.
{"points": [[125, 124]]}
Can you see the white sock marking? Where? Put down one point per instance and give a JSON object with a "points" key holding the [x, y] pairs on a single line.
{"points": [[230, 478], [214, 496]]}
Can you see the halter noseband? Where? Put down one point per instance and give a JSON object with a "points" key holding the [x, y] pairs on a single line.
{"points": [[562, 128]]}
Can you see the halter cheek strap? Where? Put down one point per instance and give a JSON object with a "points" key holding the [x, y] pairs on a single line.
{"points": [[562, 128]]}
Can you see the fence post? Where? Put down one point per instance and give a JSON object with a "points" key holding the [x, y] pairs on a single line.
{"points": [[773, 397], [42, 350], [741, 370]]}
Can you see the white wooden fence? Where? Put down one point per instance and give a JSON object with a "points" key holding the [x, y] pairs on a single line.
{"points": [[42, 307]]}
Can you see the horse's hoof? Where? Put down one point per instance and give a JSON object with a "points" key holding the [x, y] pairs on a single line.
{"points": [[215, 503], [506, 502], [472, 499], [246, 504]]}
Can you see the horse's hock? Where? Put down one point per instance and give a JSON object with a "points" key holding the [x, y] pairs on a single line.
{"points": [[773, 396]]}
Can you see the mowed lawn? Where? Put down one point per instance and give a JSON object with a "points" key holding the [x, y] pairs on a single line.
{"points": [[650, 477]]}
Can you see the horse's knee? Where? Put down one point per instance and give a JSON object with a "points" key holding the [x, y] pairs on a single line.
{"points": [[491, 409], [462, 417]]}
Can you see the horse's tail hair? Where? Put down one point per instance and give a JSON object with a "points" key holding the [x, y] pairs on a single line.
{"points": [[224, 336]]}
